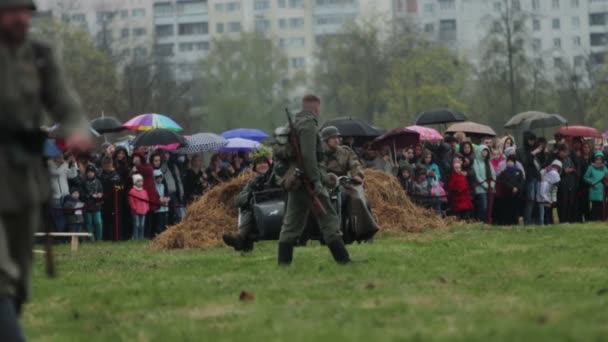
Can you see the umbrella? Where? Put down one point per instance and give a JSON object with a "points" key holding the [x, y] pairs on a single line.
{"points": [[398, 138], [146, 122], [532, 120], [246, 133], [439, 116], [426, 133], [107, 124], [55, 131], [51, 150], [605, 135], [238, 144], [471, 128], [203, 142], [158, 136], [580, 131], [350, 127]]}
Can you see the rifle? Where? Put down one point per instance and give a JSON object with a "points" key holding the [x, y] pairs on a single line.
{"points": [[317, 206]]}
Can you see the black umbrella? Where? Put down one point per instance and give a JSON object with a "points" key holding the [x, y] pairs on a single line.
{"points": [[159, 136], [351, 127], [439, 116], [107, 124]]}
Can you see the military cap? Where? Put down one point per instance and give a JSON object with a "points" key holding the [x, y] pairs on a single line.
{"points": [[329, 132]]}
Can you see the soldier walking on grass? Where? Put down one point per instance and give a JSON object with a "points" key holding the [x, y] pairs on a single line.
{"points": [[300, 200], [31, 81]]}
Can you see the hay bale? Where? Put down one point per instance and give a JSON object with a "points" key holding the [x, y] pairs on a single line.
{"points": [[215, 214]]}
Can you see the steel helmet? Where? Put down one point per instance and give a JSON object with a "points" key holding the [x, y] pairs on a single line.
{"points": [[329, 132], [5, 4]]}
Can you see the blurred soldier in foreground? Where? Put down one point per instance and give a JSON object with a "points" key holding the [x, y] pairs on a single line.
{"points": [[306, 193], [31, 81], [341, 161]]}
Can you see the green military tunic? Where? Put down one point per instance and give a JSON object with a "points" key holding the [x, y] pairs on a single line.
{"points": [[342, 161], [298, 201], [31, 84]]}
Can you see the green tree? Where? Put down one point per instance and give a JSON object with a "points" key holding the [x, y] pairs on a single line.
{"points": [[245, 83]]}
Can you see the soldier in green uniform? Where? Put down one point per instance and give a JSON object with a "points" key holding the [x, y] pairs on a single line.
{"points": [[299, 202], [264, 180], [341, 161], [31, 82]]}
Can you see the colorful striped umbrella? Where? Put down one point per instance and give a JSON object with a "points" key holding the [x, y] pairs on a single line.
{"points": [[146, 122]]}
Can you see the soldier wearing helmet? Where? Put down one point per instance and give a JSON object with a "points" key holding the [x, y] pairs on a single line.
{"points": [[32, 83]]}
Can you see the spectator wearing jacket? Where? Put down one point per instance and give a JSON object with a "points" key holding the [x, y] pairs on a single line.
{"points": [[93, 197], [74, 211], [161, 214], [485, 184], [459, 193], [567, 203], [195, 180], [529, 156], [547, 196], [113, 188], [509, 192], [60, 172], [595, 177], [138, 201]]}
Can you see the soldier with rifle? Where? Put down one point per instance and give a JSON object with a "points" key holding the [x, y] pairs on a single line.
{"points": [[31, 82], [309, 196]]}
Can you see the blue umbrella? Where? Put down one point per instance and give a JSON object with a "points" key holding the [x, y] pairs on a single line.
{"points": [[51, 150], [246, 133], [238, 144]]}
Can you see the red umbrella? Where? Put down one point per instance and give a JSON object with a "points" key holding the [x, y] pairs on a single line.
{"points": [[580, 131]]}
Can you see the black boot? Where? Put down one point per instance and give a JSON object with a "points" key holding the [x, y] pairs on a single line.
{"points": [[248, 245], [338, 250], [285, 254], [233, 241]]}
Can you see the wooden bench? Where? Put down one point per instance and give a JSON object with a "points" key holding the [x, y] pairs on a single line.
{"points": [[74, 236]]}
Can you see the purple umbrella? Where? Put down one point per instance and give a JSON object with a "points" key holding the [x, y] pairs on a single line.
{"points": [[246, 133], [238, 144]]}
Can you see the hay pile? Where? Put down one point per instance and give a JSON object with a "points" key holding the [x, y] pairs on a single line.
{"points": [[214, 214]]}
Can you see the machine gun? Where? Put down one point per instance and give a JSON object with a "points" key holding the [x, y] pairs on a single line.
{"points": [[317, 206]]}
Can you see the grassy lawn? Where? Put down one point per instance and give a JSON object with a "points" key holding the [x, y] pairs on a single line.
{"points": [[462, 284]]}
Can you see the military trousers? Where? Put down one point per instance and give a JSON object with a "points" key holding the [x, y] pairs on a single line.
{"points": [[16, 243], [299, 207], [247, 229]]}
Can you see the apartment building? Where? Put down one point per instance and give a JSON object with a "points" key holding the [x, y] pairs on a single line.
{"points": [[559, 30]]}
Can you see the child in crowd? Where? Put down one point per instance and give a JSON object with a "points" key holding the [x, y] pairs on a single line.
{"points": [[547, 196], [595, 177], [138, 201], [161, 215], [405, 178], [509, 193], [74, 211], [458, 189], [93, 197]]}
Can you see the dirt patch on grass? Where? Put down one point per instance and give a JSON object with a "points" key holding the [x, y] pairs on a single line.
{"points": [[215, 214], [212, 312]]}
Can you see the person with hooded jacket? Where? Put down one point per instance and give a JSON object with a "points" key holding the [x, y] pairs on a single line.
{"points": [[485, 183], [595, 177], [529, 158]]}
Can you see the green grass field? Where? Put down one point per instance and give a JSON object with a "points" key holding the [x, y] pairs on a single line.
{"points": [[465, 284]]}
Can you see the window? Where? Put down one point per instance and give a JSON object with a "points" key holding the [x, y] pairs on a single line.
{"points": [[196, 46], [138, 12], [574, 3], [219, 27], [576, 22], [78, 18], [296, 3], [429, 27], [124, 33], [557, 42], [262, 25], [538, 62], [282, 3], [124, 14], [164, 9], [140, 52], [429, 8], [556, 24], [576, 41], [219, 7], [191, 7], [447, 30], [446, 5], [535, 5], [233, 6], [138, 32], [296, 23], [497, 6], [283, 23], [555, 4], [298, 63], [579, 61], [597, 19], [261, 5], [536, 45], [234, 26], [163, 50], [536, 25], [557, 62], [516, 5], [164, 30], [193, 29], [598, 39], [293, 42]]}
